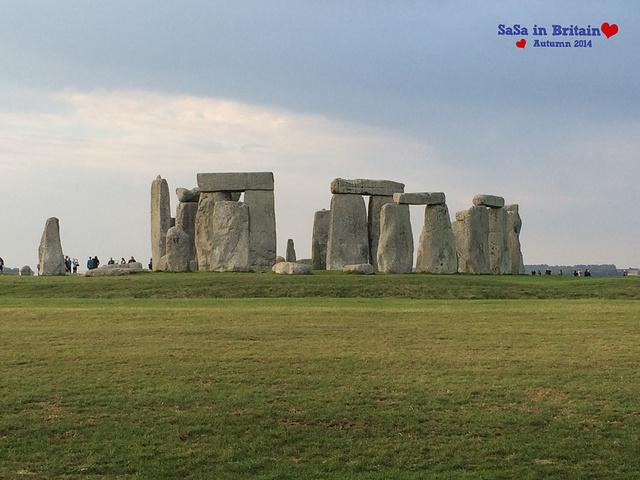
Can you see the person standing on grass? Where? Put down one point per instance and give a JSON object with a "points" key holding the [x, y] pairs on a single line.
{"points": [[76, 264], [1, 266]]}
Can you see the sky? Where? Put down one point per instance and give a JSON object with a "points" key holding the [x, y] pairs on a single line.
{"points": [[98, 98]]}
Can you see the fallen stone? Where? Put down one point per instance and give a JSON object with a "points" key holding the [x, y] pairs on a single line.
{"points": [[319, 239], [291, 268], [373, 218], [160, 218], [488, 201], [362, 186], [262, 228], [471, 230], [25, 271], [419, 198], [235, 182], [360, 269], [50, 253], [188, 196], [178, 250], [437, 244], [291, 251], [514, 225], [115, 270], [230, 252], [395, 250], [348, 241]]}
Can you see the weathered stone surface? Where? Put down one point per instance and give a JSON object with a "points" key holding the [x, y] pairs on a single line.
{"points": [[188, 195], [115, 270], [319, 239], [395, 250], [437, 244], [514, 225], [363, 186], [262, 228], [160, 218], [25, 271], [348, 241], [50, 253], [488, 201], [235, 182], [373, 218], [419, 198], [279, 259], [235, 196], [204, 227], [186, 220], [291, 251], [291, 268], [499, 255], [360, 269], [230, 252], [178, 250], [471, 230]]}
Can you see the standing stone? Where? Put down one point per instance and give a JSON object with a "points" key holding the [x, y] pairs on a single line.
{"points": [[471, 230], [178, 250], [262, 228], [230, 252], [25, 271], [204, 227], [186, 220], [437, 247], [514, 225], [348, 241], [395, 250], [375, 206], [50, 252], [291, 251], [319, 239], [160, 218], [499, 255]]}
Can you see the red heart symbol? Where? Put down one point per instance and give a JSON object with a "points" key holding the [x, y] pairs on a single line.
{"points": [[523, 42], [609, 30]]}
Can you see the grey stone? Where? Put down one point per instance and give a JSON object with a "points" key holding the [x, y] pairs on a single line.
{"points": [[488, 201], [204, 227], [188, 196], [279, 259], [25, 271], [360, 269], [50, 253], [304, 261], [373, 218], [419, 198], [235, 196], [471, 230], [291, 251], [499, 255], [235, 182], [230, 252], [319, 239], [514, 225], [160, 218], [395, 250], [262, 228], [348, 241], [186, 220], [437, 244], [178, 250], [291, 268], [363, 186], [115, 270]]}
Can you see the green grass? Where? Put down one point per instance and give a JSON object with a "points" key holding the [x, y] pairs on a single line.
{"points": [[288, 388]]}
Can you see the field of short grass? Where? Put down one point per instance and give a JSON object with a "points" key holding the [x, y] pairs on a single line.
{"points": [[288, 388]]}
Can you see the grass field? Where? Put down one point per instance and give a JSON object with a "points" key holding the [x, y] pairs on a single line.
{"points": [[105, 378]]}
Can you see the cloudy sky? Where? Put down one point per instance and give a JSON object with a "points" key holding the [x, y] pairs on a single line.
{"points": [[98, 98]]}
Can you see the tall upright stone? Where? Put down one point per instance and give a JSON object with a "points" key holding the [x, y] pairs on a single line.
{"points": [[375, 206], [262, 228], [160, 219], [204, 228], [437, 247], [50, 253], [348, 241], [514, 226], [395, 250], [186, 219], [319, 239], [291, 251], [471, 230], [230, 252], [499, 255], [178, 250]]}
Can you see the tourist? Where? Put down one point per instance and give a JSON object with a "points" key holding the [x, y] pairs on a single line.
{"points": [[575, 273], [75, 264], [96, 262], [587, 273], [90, 264], [111, 261], [151, 264], [559, 272], [132, 260], [579, 272], [67, 264], [1, 266], [123, 261], [547, 271]]}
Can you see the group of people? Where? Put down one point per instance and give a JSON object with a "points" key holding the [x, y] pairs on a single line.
{"points": [[95, 262], [576, 273], [122, 261], [70, 266]]}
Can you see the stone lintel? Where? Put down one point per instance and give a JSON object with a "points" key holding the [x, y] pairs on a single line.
{"points": [[419, 198], [235, 182], [492, 201], [362, 186]]}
